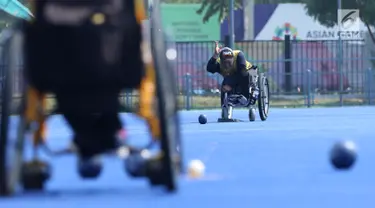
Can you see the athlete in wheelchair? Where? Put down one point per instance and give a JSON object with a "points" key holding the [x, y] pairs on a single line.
{"points": [[242, 84], [85, 53]]}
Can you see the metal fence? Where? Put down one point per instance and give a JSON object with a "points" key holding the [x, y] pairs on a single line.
{"points": [[301, 73]]}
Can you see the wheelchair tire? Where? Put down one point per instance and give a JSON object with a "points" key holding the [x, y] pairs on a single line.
{"points": [[264, 95], [172, 78], [4, 125], [11, 160], [167, 103]]}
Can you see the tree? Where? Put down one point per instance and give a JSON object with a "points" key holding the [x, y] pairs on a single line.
{"points": [[212, 7], [321, 10]]}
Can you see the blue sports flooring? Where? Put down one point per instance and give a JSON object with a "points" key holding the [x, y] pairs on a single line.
{"points": [[280, 163]]}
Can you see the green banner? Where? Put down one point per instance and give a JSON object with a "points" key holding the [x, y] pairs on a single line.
{"points": [[183, 24]]}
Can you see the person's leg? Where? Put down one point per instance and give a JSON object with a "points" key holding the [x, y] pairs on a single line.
{"points": [[223, 91], [228, 86], [245, 82], [222, 94]]}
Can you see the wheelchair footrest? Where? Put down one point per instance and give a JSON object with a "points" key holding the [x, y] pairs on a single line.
{"points": [[221, 120]]}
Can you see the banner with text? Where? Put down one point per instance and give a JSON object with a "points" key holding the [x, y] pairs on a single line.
{"points": [[183, 23], [292, 19]]}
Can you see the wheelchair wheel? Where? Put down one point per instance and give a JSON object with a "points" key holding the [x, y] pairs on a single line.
{"points": [[166, 102], [11, 153], [251, 114], [264, 95], [172, 80]]}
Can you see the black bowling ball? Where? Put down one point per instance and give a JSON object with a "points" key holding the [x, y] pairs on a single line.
{"points": [[343, 155], [202, 119]]}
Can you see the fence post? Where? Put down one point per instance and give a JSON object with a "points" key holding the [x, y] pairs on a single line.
{"points": [[287, 64], [227, 40], [127, 98], [369, 86], [341, 77], [308, 88], [188, 91]]}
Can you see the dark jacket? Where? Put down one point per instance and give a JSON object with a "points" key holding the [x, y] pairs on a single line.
{"points": [[238, 72]]}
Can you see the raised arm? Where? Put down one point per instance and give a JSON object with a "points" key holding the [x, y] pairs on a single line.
{"points": [[213, 64]]}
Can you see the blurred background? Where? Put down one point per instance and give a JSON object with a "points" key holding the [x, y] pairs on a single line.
{"points": [[309, 58]]}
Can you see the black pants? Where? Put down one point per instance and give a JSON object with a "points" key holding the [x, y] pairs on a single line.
{"points": [[94, 120], [240, 86]]}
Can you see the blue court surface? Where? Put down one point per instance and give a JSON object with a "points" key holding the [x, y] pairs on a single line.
{"points": [[280, 163]]}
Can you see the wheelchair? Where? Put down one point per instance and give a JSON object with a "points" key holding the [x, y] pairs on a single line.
{"points": [[113, 34], [259, 93]]}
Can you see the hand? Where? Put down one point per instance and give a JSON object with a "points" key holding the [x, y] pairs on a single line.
{"points": [[227, 88], [217, 50]]}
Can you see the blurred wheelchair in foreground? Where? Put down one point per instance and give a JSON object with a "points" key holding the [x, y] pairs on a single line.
{"points": [[258, 93], [85, 53]]}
